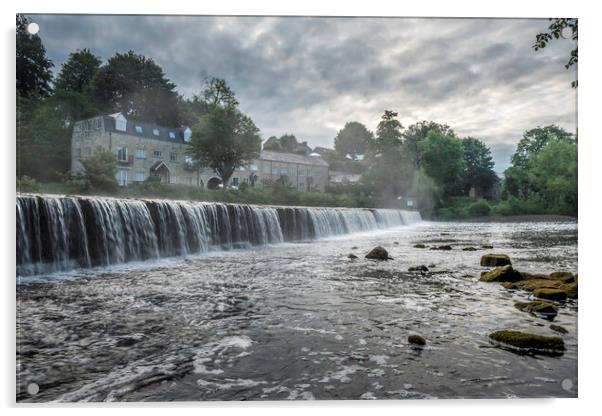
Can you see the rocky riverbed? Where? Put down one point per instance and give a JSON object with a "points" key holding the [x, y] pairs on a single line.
{"points": [[308, 321]]}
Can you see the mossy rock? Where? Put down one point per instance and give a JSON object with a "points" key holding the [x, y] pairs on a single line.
{"points": [[494, 260], [532, 284], [501, 274], [559, 329], [419, 246], [571, 290], [487, 246], [445, 247], [564, 277], [550, 294], [352, 256], [538, 307], [421, 268], [379, 253], [527, 343], [469, 249], [416, 340]]}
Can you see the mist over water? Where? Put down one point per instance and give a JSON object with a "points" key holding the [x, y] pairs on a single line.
{"points": [[298, 319]]}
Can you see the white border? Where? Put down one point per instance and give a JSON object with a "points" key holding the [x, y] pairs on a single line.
{"points": [[589, 161]]}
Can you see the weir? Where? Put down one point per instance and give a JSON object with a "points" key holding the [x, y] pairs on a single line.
{"points": [[64, 233]]}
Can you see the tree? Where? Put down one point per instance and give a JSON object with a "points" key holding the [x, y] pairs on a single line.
{"points": [[535, 139], [137, 87], [289, 143], [417, 132], [99, 170], [79, 70], [218, 93], [555, 31], [442, 157], [33, 67], [478, 167], [352, 139], [225, 139]]}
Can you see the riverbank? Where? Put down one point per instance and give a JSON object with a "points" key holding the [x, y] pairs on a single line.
{"points": [[516, 218]]}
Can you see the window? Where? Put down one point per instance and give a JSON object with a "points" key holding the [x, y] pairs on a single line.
{"points": [[284, 171], [120, 123], [122, 177], [122, 154], [155, 132], [138, 129], [301, 185], [140, 154], [187, 134], [275, 171], [78, 153], [173, 157], [140, 176], [188, 160], [173, 179], [234, 181], [172, 135], [157, 153], [253, 168]]}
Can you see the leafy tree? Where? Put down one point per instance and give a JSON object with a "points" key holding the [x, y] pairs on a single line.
{"points": [[137, 87], [417, 132], [218, 93], [289, 143], [33, 67], [478, 167], [223, 140], [79, 70], [99, 170], [555, 31], [352, 139], [442, 157], [425, 191], [535, 139]]}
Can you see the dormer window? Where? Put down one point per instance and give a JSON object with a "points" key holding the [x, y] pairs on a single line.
{"points": [[155, 132], [120, 122], [138, 129], [172, 135], [187, 134]]}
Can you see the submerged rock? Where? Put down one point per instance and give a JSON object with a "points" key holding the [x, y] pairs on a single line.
{"points": [[421, 268], [559, 329], [527, 343], [445, 247], [469, 249], [416, 340], [501, 274], [396, 243], [352, 256], [354, 248], [487, 246], [379, 253], [571, 289], [419, 246], [494, 260], [550, 294], [538, 307]]}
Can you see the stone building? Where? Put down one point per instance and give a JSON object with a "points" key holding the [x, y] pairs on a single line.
{"points": [[143, 150]]}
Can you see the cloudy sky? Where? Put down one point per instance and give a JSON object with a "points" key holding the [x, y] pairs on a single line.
{"points": [[308, 76]]}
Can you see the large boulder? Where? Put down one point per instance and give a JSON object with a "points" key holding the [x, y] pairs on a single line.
{"points": [[379, 253], [527, 343], [538, 307], [501, 274], [571, 289], [564, 277], [532, 284], [494, 260], [550, 294], [416, 340]]}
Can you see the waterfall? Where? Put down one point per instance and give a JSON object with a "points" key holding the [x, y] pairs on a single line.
{"points": [[64, 233]]}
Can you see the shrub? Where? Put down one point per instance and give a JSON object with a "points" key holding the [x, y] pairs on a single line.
{"points": [[479, 208]]}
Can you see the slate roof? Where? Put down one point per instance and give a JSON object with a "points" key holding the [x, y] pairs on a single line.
{"points": [[147, 130], [292, 158]]}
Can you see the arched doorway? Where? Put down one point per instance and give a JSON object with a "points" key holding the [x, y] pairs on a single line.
{"points": [[161, 171], [213, 183]]}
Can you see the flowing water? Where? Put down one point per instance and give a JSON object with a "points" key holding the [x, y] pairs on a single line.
{"points": [[156, 300]]}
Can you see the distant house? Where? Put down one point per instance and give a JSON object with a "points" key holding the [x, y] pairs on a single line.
{"points": [[144, 150]]}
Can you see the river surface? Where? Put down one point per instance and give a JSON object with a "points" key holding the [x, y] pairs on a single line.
{"points": [[298, 321]]}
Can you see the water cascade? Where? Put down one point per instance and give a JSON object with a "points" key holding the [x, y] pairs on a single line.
{"points": [[64, 233]]}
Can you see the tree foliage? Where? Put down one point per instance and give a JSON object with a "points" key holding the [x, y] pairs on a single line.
{"points": [[442, 158], [555, 31], [77, 73], [34, 73], [352, 140], [478, 167], [535, 139], [99, 171], [416, 133], [137, 87]]}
